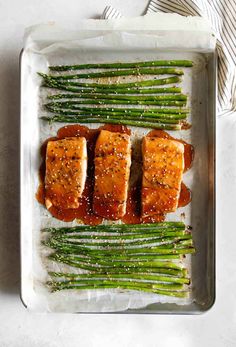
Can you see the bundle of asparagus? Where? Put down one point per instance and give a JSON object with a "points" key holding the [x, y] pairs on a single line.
{"points": [[144, 257], [91, 100]]}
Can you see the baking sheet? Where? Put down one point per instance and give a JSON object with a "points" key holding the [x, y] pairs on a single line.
{"points": [[199, 84]]}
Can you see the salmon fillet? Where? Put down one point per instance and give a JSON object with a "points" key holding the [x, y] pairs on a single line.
{"points": [[163, 165], [112, 170], [66, 166]]}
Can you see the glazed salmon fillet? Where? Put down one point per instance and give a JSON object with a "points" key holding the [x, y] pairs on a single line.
{"points": [[163, 165], [112, 170], [66, 167]]}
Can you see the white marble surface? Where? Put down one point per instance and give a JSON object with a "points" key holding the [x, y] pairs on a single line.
{"points": [[18, 327]]}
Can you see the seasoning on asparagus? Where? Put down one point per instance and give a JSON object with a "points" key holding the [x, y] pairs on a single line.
{"points": [[131, 275], [119, 236], [136, 90], [50, 82], [154, 111], [158, 118], [127, 228], [112, 73], [180, 97], [68, 119], [137, 101], [120, 65]]}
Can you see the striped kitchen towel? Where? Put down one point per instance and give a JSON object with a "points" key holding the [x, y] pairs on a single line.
{"points": [[222, 16], [110, 12]]}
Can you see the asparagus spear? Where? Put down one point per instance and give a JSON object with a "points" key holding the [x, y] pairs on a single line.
{"points": [[67, 119], [120, 65], [92, 281], [117, 112], [133, 101], [156, 241], [166, 249], [129, 286], [112, 73], [50, 82], [97, 112], [76, 111], [157, 227], [165, 97], [170, 244], [131, 275], [112, 236], [143, 118], [170, 90], [171, 111], [136, 257], [167, 113], [135, 242]]}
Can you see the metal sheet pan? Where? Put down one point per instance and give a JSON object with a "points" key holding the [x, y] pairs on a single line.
{"points": [[201, 212]]}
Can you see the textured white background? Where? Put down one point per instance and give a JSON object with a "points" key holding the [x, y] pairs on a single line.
{"points": [[20, 328]]}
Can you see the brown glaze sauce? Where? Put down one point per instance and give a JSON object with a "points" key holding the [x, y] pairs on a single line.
{"points": [[85, 211], [133, 212], [185, 196]]}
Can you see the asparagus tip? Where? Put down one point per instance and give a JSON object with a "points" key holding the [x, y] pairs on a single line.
{"points": [[42, 74]]}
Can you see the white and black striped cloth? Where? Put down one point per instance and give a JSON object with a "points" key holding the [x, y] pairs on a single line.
{"points": [[222, 15]]}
